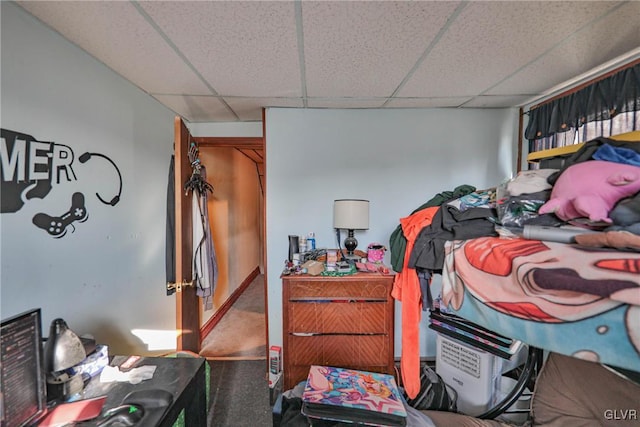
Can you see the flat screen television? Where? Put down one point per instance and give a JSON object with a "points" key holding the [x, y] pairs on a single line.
{"points": [[23, 398]]}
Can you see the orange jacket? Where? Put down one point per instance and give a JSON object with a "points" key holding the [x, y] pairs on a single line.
{"points": [[406, 288]]}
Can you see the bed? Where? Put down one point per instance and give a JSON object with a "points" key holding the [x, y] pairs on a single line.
{"points": [[575, 299], [578, 301]]}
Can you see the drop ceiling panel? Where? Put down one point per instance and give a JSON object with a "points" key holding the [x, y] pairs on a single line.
{"points": [[489, 41], [223, 61], [608, 38], [496, 101], [240, 48], [250, 109], [365, 49], [117, 35], [426, 102], [198, 108], [345, 102]]}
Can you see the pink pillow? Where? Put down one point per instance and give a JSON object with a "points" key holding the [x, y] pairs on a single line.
{"points": [[591, 189]]}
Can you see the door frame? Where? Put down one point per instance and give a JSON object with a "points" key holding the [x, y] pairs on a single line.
{"points": [[187, 310]]}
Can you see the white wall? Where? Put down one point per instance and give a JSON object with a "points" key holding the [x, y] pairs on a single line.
{"points": [[107, 277], [397, 159]]}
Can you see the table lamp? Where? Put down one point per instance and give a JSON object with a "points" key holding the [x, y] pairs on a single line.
{"points": [[350, 215], [63, 350]]}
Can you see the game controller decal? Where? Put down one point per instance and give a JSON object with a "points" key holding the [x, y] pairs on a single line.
{"points": [[56, 226]]}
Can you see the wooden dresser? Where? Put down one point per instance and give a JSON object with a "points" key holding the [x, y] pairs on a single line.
{"points": [[342, 321]]}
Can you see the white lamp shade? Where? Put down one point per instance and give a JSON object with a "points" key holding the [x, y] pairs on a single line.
{"points": [[351, 214]]}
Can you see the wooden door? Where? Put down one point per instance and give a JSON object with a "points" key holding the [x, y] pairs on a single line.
{"points": [[187, 309]]}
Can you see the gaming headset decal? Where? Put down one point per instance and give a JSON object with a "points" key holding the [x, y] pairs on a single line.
{"points": [[29, 168], [86, 156]]}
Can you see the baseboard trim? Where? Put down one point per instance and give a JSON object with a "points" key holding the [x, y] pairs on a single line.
{"points": [[217, 316]]}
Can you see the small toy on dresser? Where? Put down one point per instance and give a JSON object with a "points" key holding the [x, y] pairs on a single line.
{"points": [[375, 252]]}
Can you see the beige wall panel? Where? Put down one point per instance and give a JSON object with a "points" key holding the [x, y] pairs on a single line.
{"points": [[234, 215]]}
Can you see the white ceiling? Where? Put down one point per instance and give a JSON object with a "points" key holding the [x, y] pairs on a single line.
{"points": [[222, 61]]}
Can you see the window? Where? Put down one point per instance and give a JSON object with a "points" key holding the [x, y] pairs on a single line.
{"points": [[605, 107]]}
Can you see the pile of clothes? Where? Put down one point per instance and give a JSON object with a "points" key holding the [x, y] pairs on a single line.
{"points": [[597, 188]]}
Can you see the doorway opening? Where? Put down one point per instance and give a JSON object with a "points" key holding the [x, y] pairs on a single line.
{"points": [[235, 168], [235, 327]]}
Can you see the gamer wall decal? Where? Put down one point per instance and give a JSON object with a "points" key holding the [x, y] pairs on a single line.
{"points": [[57, 225], [30, 167]]}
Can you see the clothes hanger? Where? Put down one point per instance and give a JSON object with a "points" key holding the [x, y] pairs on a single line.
{"points": [[196, 182]]}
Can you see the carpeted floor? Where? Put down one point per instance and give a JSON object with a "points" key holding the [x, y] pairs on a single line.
{"points": [[239, 394], [236, 351], [241, 333]]}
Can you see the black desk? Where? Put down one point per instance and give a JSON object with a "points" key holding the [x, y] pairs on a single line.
{"points": [[183, 377]]}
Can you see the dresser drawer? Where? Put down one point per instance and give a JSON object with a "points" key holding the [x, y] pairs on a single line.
{"points": [[339, 317], [309, 289], [339, 350]]}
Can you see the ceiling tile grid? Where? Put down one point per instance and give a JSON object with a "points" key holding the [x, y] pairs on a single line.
{"points": [[250, 109], [198, 108], [225, 60], [241, 48], [610, 36], [496, 101], [346, 102], [118, 36], [491, 40], [364, 49], [450, 101]]}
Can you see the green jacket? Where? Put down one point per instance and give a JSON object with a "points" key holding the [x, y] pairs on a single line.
{"points": [[397, 240]]}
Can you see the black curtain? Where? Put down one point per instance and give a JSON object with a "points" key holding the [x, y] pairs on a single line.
{"points": [[600, 101]]}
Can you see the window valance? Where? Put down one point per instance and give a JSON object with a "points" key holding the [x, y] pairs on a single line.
{"points": [[601, 100]]}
